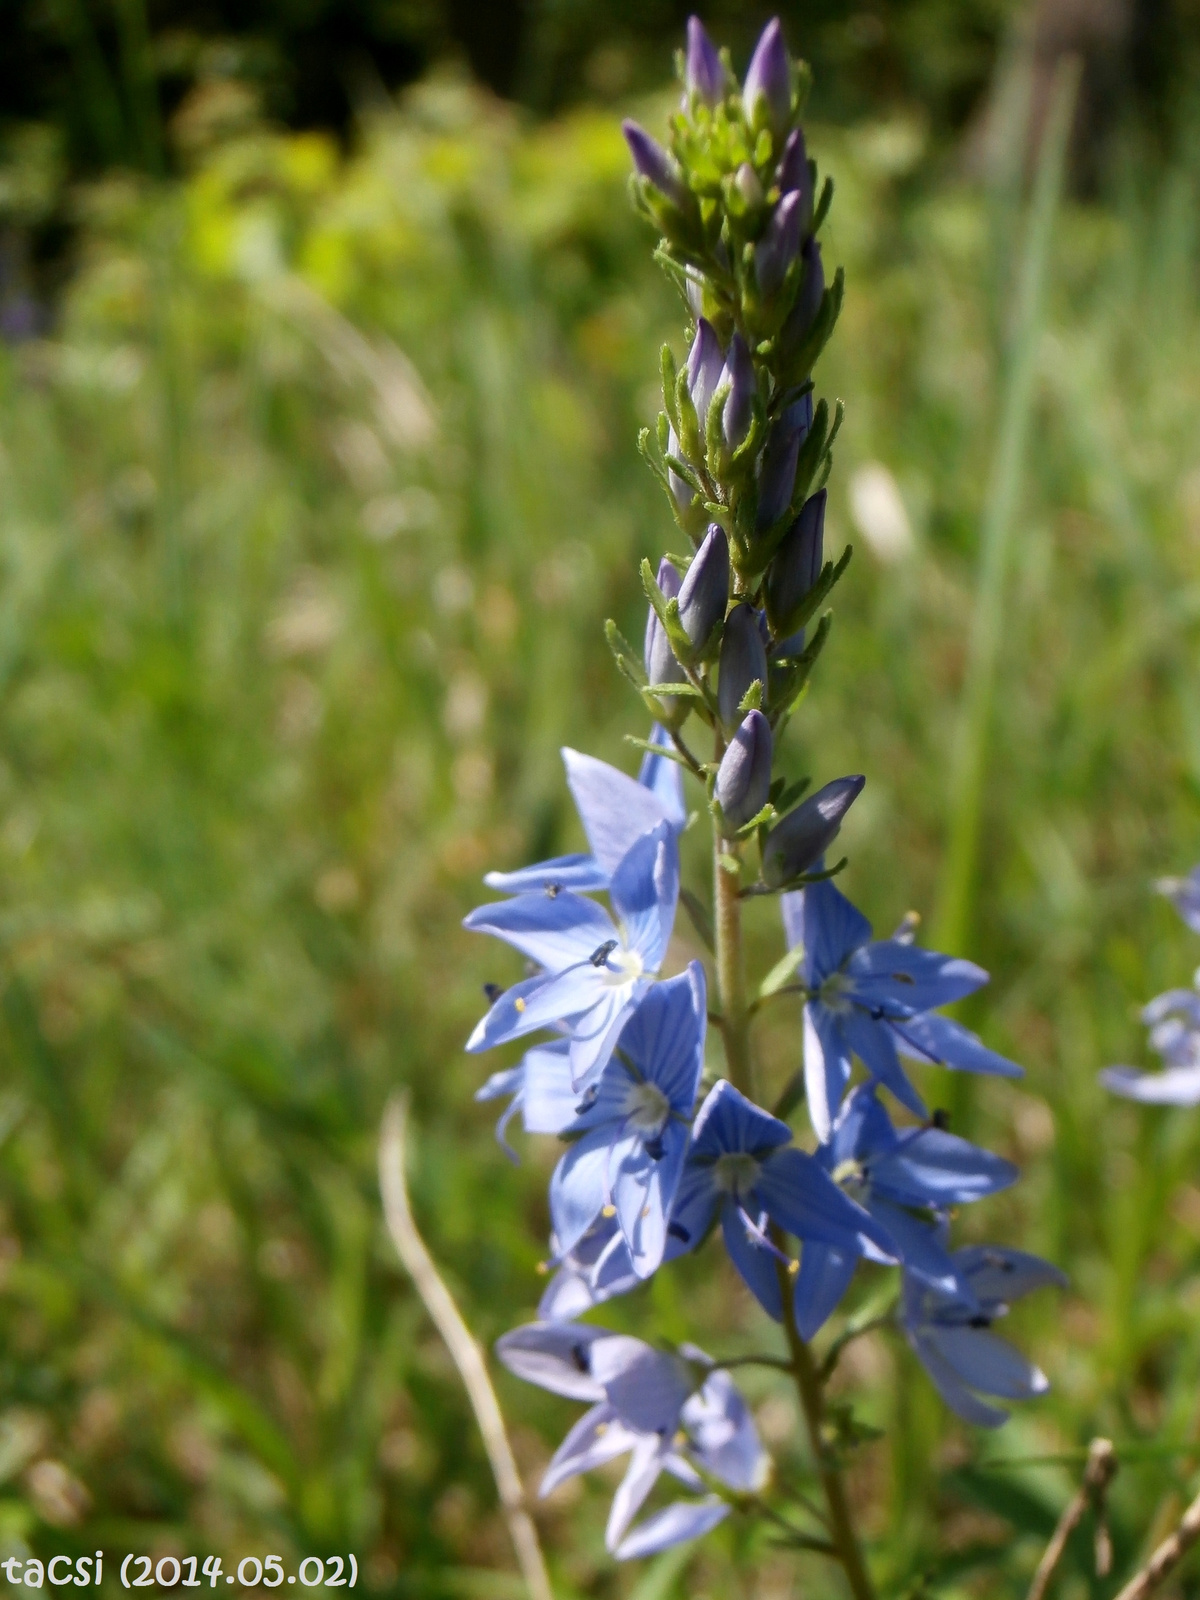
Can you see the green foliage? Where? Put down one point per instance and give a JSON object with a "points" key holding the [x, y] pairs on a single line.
{"points": [[311, 514]]}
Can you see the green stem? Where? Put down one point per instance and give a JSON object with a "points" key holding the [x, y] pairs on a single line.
{"points": [[731, 967], [812, 1401]]}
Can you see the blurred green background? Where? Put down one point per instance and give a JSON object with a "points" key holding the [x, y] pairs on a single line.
{"points": [[327, 336]]}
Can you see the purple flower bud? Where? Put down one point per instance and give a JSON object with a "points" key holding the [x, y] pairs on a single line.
{"points": [[794, 176], [659, 658], [797, 563], [706, 362], [743, 659], [681, 490], [704, 73], [808, 302], [802, 838], [705, 588], [767, 92], [653, 162], [739, 407], [777, 475], [779, 245], [744, 776]]}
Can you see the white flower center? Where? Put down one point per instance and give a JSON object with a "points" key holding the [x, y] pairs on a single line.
{"points": [[621, 966], [646, 1107], [833, 992], [735, 1173]]}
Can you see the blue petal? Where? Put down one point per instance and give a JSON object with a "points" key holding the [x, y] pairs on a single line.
{"points": [[579, 1186], [594, 1033], [686, 1519], [727, 1122], [555, 1356], [826, 1066], [510, 1081], [664, 778], [997, 1276], [988, 1363], [581, 873], [1184, 895], [548, 1100], [890, 973], [597, 1269], [644, 890], [950, 1386], [804, 1200], [825, 1275], [928, 1167], [647, 1387], [947, 1044], [646, 1463], [722, 1435], [872, 1043], [615, 809], [535, 1003], [664, 1039], [756, 1265], [556, 931], [1175, 1086], [821, 919], [919, 1246], [598, 1437], [643, 1193], [692, 1213]]}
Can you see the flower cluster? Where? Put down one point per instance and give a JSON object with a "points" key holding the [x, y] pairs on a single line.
{"points": [[1173, 1019], [661, 1152]]}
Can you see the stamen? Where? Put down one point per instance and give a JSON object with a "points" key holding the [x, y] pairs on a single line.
{"points": [[518, 1004], [608, 1211], [579, 1356], [600, 955], [678, 1231], [542, 1268], [757, 1233], [492, 992], [553, 890]]}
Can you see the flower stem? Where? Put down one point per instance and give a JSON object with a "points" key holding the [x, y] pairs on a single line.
{"points": [[731, 967], [812, 1401]]}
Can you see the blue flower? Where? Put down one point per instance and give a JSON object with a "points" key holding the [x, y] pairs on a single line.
{"points": [[891, 1174], [669, 1412], [598, 1268], [951, 1331], [540, 1087], [872, 999], [1174, 1022], [615, 811], [632, 1127], [594, 970], [744, 1168]]}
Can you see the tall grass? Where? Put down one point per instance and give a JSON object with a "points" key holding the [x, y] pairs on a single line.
{"points": [[311, 510]]}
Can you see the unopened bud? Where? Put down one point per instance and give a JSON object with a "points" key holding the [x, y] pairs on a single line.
{"points": [[706, 362], [797, 563], [739, 407], [802, 838], [777, 475], [681, 490], [779, 245], [705, 588], [767, 92], [749, 186], [744, 776], [653, 162], [743, 659], [661, 665], [794, 176], [704, 73], [808, 300]]}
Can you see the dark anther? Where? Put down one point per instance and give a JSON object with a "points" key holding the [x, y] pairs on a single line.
{"points": [[492, 992], [600, 956], [864, 1174], [580, 1357], [553, 890], [654, 1148], [980, 1322], [940, 1120], [588, 1100], [678, 1231], [902, 977]]}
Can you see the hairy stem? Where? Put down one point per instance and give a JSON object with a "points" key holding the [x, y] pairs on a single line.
{"points": [[731, 967], [812, 1400]]}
